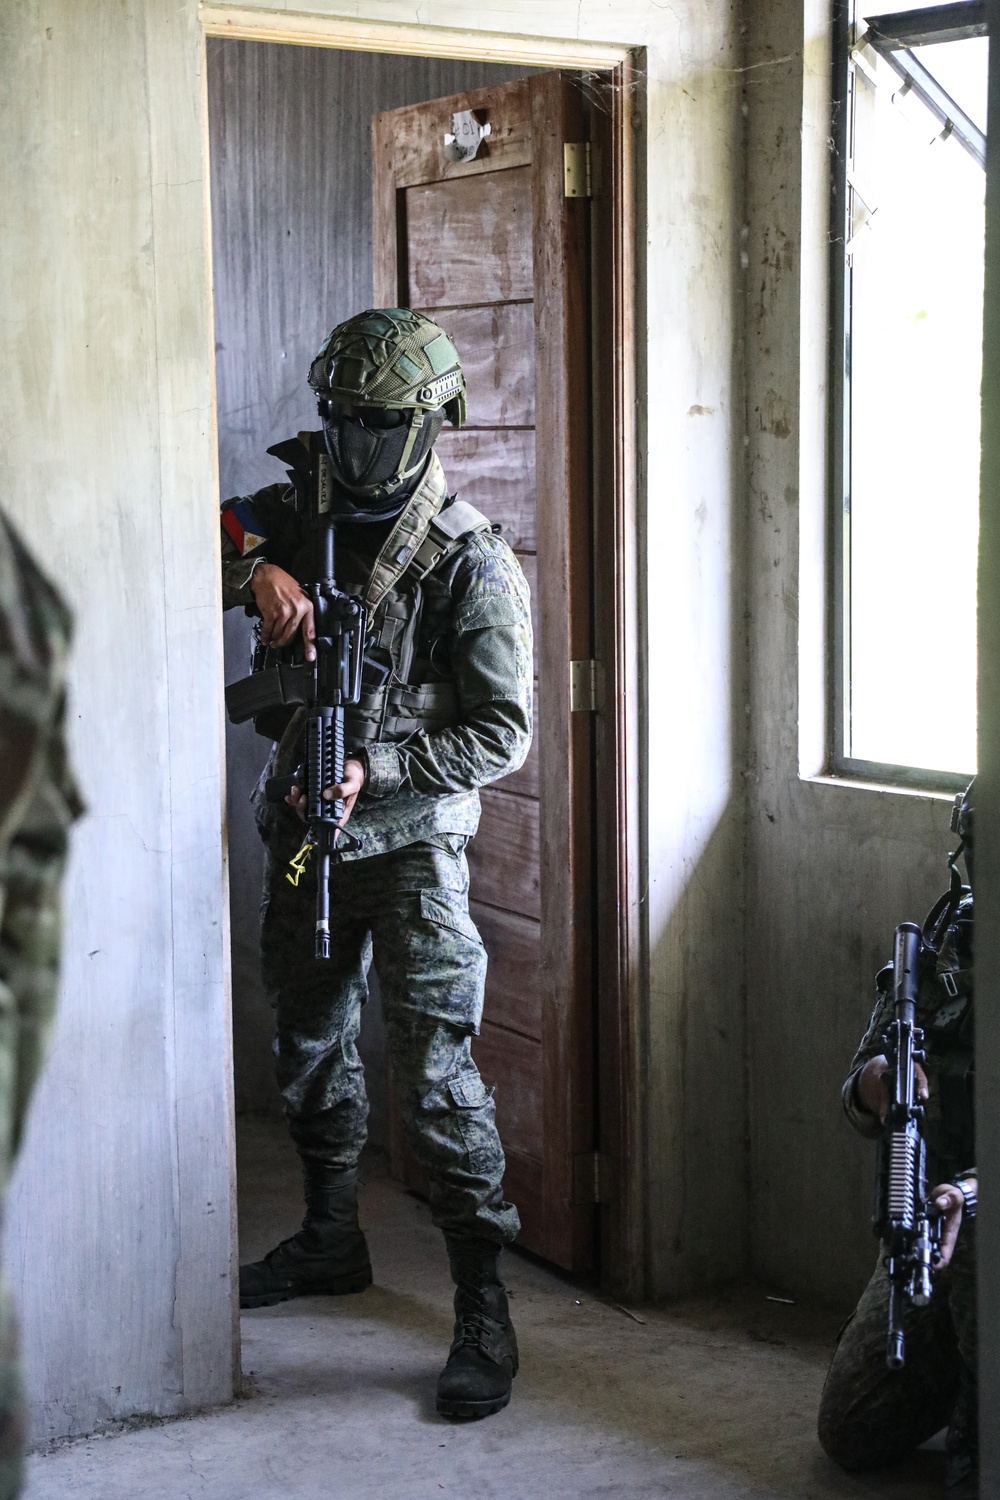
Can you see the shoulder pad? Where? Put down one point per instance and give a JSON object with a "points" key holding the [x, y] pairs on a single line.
{"points": [[446, 535], [459, 519]]}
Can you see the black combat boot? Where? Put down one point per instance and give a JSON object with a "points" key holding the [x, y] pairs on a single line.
{"points": [[328, 1256], [483, 1358]]}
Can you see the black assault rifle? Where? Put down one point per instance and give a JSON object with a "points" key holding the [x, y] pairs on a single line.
{"points": [[324, 686], [902, 1219]]}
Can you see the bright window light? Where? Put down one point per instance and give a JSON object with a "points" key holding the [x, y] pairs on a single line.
{"points": [[914, 286]]}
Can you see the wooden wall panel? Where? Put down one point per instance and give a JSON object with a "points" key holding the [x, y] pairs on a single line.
{"points": [[469, 240], [495, 471], [504, 858], [512, 994], [497, 348]]}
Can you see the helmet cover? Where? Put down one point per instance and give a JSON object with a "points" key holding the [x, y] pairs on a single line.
{"points": [[394, 358], [385, 380]]}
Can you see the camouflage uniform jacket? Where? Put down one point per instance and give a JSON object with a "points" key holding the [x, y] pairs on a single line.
{"points": [[38, 803], [466, 624], [945, 1012]]}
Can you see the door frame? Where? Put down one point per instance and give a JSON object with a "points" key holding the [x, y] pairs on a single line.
{"points": [[619, 1175]]}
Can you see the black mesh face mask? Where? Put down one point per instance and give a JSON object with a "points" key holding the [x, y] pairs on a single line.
{"points": [[377, 454]]}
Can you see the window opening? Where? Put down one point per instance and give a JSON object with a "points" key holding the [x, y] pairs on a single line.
{"points": [[908, 265]]}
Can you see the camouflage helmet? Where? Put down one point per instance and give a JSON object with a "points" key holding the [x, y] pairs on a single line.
{"points": [[393, 358]]}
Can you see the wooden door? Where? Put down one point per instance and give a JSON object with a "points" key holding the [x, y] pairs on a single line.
{"points": [[496, 252]]}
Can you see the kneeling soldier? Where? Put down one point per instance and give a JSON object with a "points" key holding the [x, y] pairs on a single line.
{"points": [[871, 1415]]}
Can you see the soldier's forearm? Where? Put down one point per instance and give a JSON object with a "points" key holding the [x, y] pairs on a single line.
{"points": [[490, 743], [863, 1121]]}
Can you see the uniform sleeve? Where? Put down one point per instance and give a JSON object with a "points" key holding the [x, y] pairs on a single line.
{"points": [[255, 528], [492, 664], [30, 930], [871, 1045]]}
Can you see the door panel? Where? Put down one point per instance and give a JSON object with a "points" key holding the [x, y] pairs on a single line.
{"points": [[503, 857], [512, 994], [500, 365], [414, 149], [470, 240], [498, 255], [512, 1064], [495, 470]]}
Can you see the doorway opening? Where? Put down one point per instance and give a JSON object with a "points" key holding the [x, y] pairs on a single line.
{"points": [[333, 190]]}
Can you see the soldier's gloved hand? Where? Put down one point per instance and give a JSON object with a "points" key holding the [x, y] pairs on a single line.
{"points": [[347, 791], [947, 1201], [283, 608], [872, 1087]]}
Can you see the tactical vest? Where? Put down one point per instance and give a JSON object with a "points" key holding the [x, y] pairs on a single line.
{"points": [[427, 533]]}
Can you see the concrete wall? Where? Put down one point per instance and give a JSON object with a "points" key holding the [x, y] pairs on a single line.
{"points": [[831, 868], [292, 256], [119, 1231]]}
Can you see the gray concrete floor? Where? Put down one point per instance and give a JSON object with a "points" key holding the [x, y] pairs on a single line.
{"points": [[709, 1399]]}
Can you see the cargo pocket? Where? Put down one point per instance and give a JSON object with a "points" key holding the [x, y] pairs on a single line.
{"points": [[446, 961], [447, 909], [475, 1116]]}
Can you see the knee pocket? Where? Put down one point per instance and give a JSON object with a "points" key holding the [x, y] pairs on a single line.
{"points": [[459, 1111]]}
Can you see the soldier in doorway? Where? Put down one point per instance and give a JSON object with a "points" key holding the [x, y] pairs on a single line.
{"points": [[871, 1415], [38, 803], [445, 709]]}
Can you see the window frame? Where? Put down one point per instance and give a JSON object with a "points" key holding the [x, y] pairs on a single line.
{"points": [[952, 21]]}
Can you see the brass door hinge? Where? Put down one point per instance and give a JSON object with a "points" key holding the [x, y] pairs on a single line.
{"points": [[586, 687], [576, 169], [590, 1177]]}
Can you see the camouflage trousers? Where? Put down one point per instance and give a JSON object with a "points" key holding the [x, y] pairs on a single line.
{"points": [[870, 1415], [407, 912]]}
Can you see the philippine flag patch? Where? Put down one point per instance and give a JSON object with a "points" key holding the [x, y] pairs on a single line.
{"points": [[242, 526]]}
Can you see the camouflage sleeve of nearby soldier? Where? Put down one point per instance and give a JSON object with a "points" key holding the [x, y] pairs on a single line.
{"points": [[38, 803]]}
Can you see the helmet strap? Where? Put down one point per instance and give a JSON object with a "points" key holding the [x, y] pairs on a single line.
{"points": [[416, 427]]}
